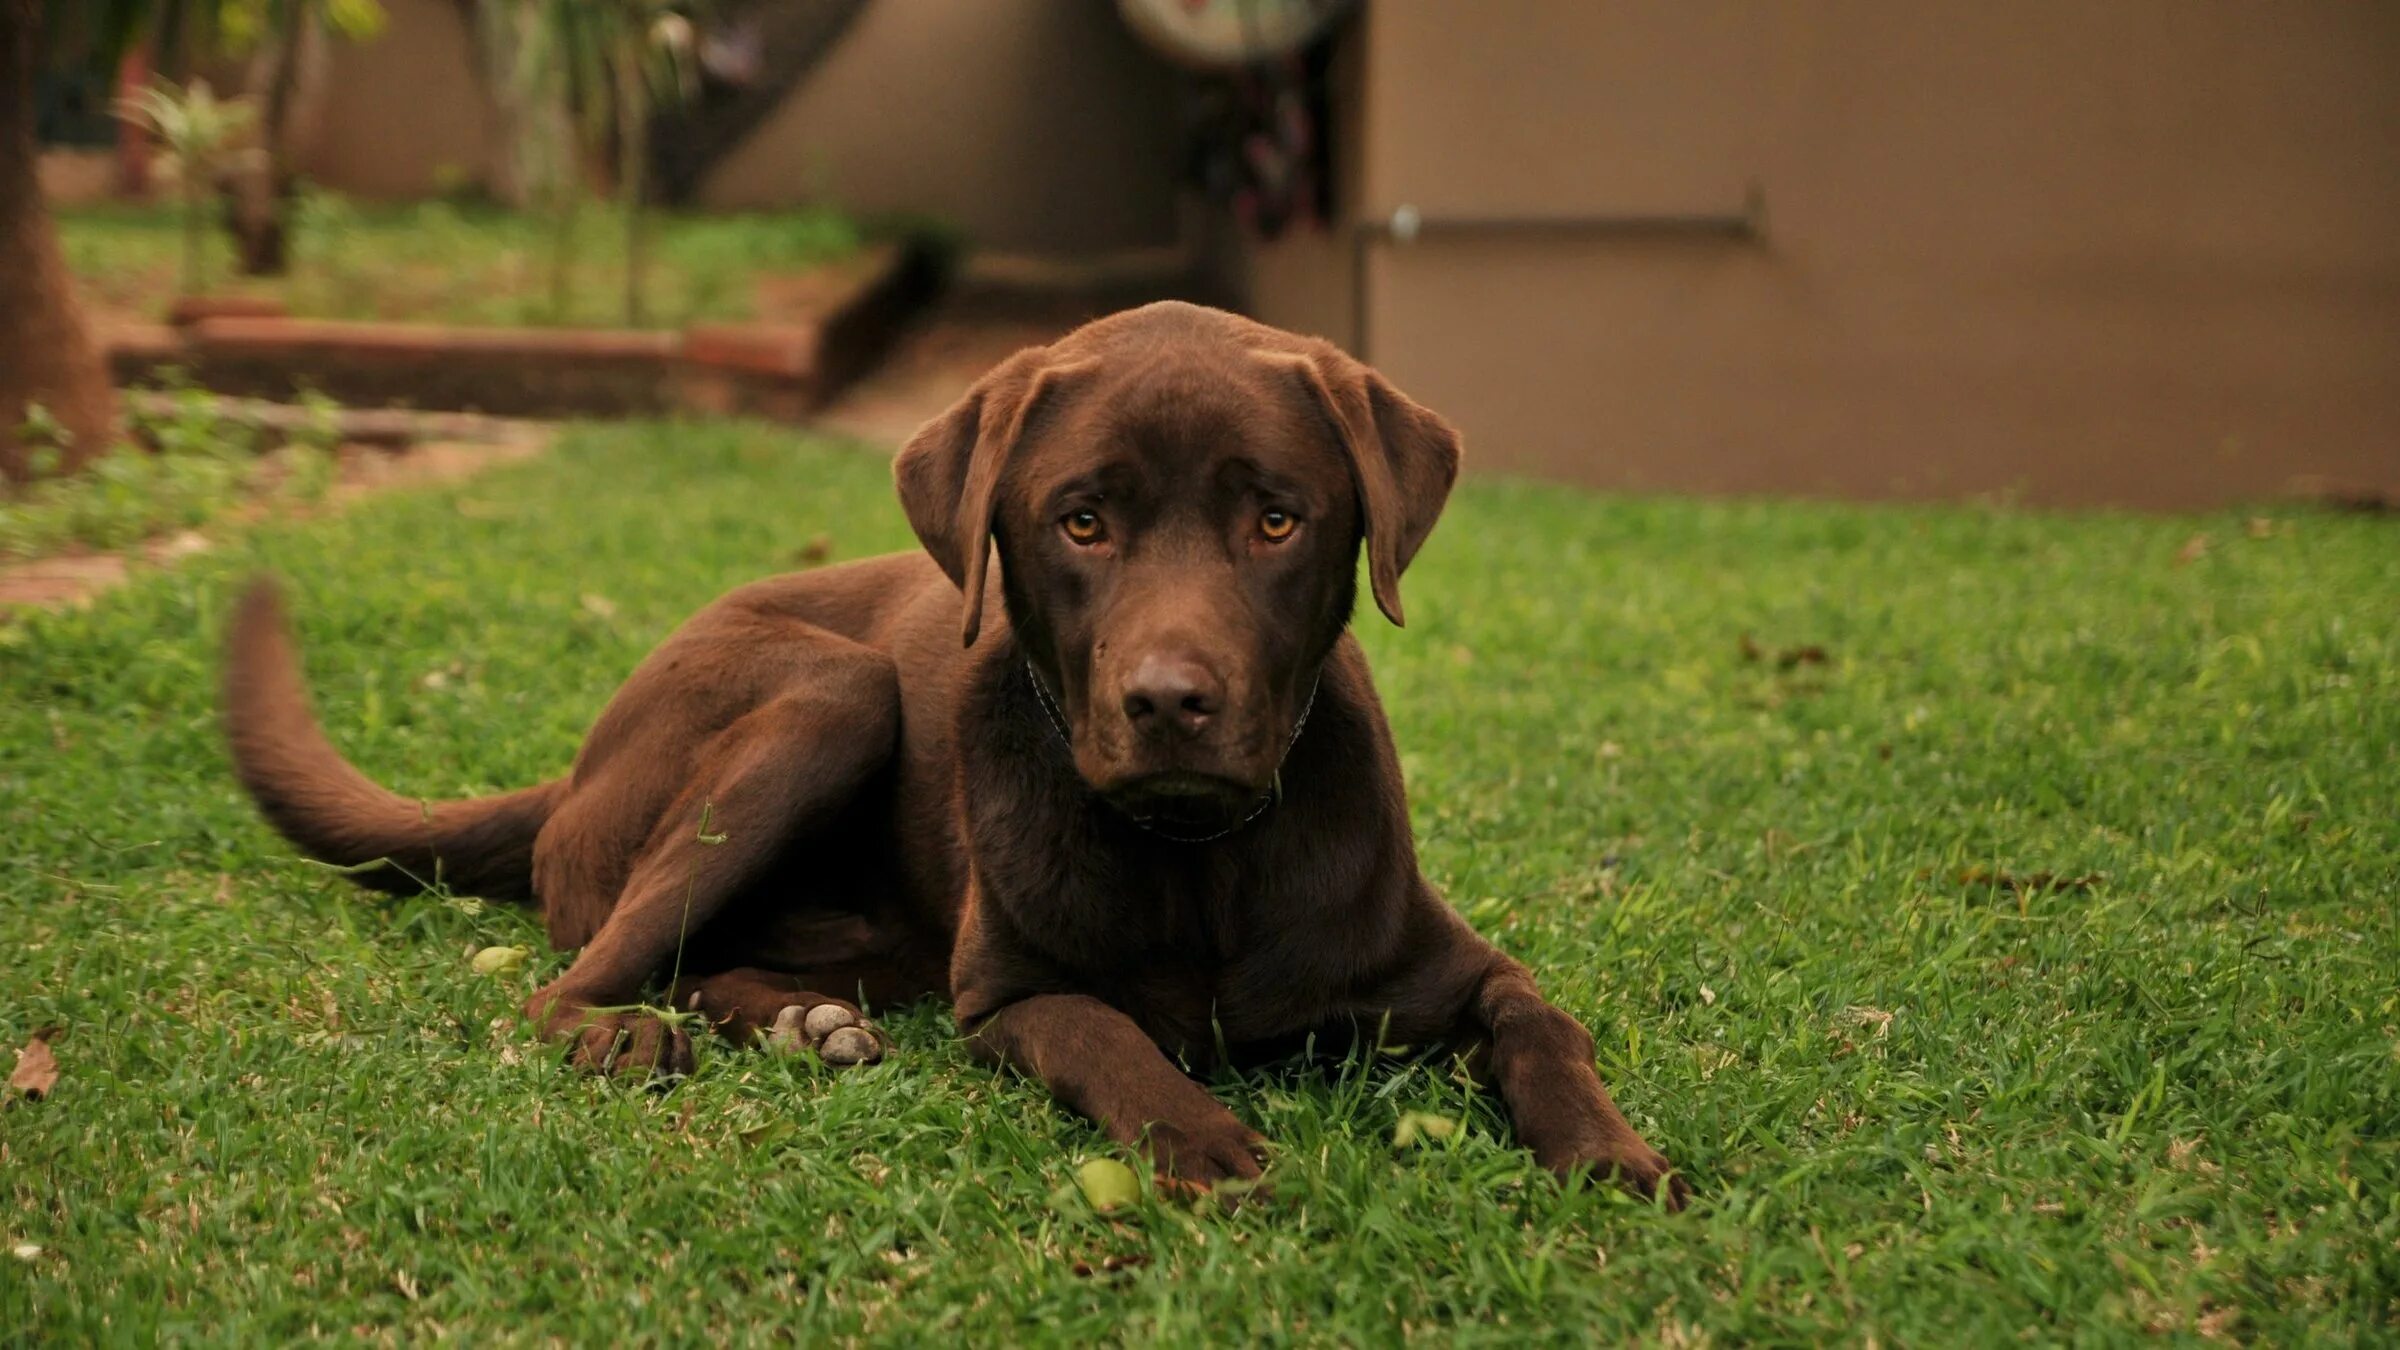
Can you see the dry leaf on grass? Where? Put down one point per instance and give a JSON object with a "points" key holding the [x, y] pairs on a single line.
{"points": [[1859, 1015], [1789, 658], [37, 1069], [2019, 883], [2192, 551]]}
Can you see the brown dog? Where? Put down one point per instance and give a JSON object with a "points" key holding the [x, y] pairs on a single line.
{"points": [[1129, 800]]}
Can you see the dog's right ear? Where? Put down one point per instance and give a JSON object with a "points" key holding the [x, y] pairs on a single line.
{"points": [[1403, 458], [949, 472]]}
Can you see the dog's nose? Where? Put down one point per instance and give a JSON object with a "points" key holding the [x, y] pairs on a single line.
{"points": [[1172, 694]]}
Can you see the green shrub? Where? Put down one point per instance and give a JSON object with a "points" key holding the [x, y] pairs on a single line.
{"points": [[203, 464]]}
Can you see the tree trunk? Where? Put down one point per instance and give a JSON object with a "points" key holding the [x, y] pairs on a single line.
{"points": [[133, 144], [261, 193], [46, 352]]}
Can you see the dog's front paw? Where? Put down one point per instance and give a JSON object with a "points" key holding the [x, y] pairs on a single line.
{"points": [[839, 1034], [1197, 1156], [621, 1043], [1632, 1164]]}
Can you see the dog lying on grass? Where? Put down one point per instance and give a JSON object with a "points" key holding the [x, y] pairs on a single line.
{"points": [[1126, 798]]}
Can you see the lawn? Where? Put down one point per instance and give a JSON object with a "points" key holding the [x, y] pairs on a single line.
{"points": [[446, 262], [1997, 914]]}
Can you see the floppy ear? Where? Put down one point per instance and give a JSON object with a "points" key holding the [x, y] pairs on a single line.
{"points": [[1403, 459], [948, 474]]}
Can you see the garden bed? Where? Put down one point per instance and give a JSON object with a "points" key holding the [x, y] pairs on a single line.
{"points": [[456, 265], [782, 369], [437, 306]]}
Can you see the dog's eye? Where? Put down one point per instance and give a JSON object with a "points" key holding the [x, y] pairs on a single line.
{"points": [[1083, 527], [1277, 526]]}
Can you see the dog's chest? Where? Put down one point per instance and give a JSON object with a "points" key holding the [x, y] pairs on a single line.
{"points": [[1224, 966], [1204, 948], [1176, 1008]]}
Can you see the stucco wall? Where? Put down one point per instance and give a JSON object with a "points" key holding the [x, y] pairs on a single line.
{"points": [[1037, 125], [1033, 125], [402, 115], [2143, 252]]}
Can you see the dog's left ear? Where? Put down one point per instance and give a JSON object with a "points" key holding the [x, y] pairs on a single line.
{"points": [[948, 474], [1403, 459]]}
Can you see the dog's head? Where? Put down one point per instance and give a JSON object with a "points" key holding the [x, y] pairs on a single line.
{"points": [[1178, 496]]}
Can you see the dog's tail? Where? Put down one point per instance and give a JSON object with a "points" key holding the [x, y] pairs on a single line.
{"points": [[332, 811]]}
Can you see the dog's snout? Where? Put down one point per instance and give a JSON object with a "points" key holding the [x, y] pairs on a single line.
{"points": [[1172, 695]]}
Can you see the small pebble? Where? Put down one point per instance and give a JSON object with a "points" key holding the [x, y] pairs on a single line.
{"points": [[851, 1045], [827, 1018]]}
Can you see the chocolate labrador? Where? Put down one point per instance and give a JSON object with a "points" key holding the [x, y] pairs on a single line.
{"points": [[1126, 795]]}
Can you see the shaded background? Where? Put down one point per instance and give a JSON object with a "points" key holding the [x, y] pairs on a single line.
{"points": [[2138, 253]]}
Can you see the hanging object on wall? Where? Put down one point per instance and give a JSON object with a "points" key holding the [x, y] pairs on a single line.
{"points": [[1229, 34], [1256, 113]]}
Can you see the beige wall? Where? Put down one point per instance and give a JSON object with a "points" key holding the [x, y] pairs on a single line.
{"points": [[2143, 252], [1036, 125], [402, 115], [1031, 125]]}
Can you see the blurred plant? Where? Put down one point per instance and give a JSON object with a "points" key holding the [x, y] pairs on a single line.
{"points": [[260, 199], [201, 466], [317, 441], [323, 429], [587, 76], [45, 438], [652, 62], [537, 164], [204, 462], [311, 458], [197, 130]]}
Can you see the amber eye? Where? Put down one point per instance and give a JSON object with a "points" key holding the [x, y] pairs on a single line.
{"points": [[1083, 527], [1277, 526]]}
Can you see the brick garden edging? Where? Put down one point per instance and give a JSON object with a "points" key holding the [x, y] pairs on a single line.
{"points": [[783, 370]]}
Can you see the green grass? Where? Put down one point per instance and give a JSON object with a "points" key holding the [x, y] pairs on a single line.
{"points": [[201, 464], [1920, 1106], [439, 261]]}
